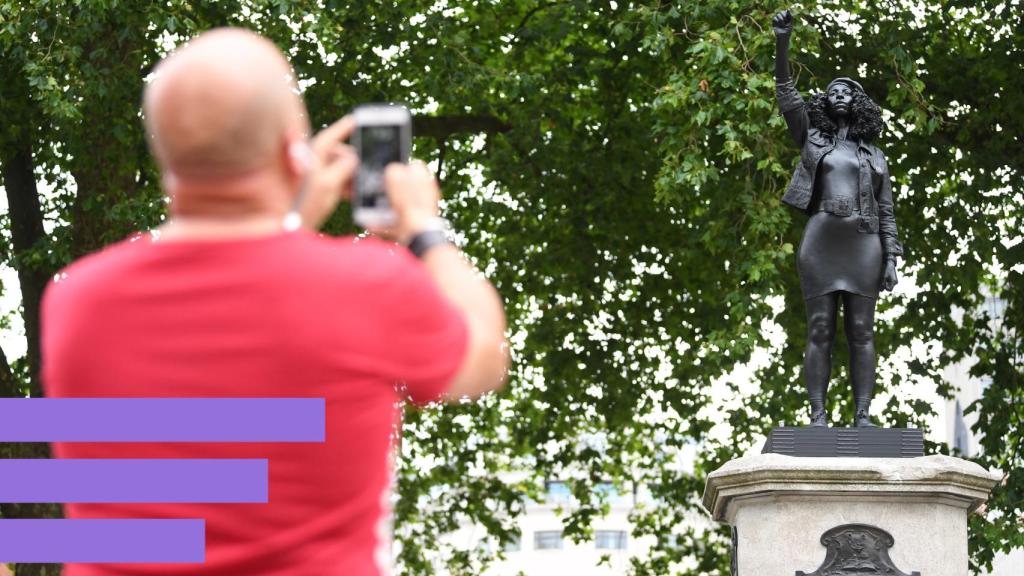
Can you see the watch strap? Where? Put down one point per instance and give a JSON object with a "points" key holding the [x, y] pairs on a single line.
{"points": [[425, 240]]}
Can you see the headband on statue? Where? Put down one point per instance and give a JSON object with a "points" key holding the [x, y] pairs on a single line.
{"points": [[853, 84]]}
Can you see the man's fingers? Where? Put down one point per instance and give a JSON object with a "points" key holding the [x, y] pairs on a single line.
{"points": [[345, 154], [414, 169], [422, 172], [420, 166], [394, 175], [325, 140], [342, 166]]}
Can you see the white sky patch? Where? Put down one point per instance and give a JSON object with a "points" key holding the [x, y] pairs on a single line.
{"points": [[12, 340], [391, 52], [429, 107]]}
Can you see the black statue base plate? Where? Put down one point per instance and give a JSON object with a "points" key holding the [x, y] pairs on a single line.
{"points": [[822, 442]]}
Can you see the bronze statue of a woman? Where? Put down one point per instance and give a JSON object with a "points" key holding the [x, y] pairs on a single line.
{"points": [[849, 247]]}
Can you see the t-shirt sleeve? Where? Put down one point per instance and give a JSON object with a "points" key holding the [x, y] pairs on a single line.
{"points": [[427, 334]]}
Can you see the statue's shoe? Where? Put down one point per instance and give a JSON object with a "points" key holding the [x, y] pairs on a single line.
{"points": [[819, 419], [863, 420]]}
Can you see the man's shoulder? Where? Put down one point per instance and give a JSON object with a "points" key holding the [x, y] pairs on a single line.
{"points": [[89, 274], [107, 257], [349, 262], [358, 251], [357, 245], [305, 258]]}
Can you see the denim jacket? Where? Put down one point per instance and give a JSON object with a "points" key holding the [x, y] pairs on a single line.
{"points": [[874, 197]]}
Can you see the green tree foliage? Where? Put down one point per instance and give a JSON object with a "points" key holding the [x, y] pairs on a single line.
{"points": [[617, 169]]}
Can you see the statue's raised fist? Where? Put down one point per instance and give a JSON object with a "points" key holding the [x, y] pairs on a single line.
{"points": [[782, 23]]}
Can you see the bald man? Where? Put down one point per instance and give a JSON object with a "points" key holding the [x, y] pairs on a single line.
{"points": [[229, 299]]}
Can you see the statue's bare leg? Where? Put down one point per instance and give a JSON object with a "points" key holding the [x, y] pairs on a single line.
{"points": [[821, 334], [859, 321]]}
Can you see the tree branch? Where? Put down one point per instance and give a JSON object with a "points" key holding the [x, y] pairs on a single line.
{"points": [[441, 127], [533, 12]]}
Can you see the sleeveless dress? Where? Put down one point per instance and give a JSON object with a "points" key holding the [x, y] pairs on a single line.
{"points": [[834, 255]]}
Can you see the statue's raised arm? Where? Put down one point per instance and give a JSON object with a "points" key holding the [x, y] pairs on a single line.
{"points": [[782, 24], [791, 105]]}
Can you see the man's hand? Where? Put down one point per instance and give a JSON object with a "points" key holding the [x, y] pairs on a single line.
{"points": [[330, 176], [414, 193], [782, 24], [889, 279]]}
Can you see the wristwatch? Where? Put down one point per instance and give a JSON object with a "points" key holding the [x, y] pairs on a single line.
{"points": [[433, 233]]}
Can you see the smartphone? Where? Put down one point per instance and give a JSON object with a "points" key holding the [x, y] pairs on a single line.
{"points": [[383, 135]]}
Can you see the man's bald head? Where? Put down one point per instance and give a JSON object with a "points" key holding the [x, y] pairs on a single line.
{"points": [[222, 106]]}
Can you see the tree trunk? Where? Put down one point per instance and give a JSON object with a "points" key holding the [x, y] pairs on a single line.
{"points": [[27, 235]]}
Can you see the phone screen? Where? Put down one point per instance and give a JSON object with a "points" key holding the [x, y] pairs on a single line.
{"points": [[379, 146]]}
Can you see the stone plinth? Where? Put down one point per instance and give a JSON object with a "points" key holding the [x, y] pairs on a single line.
{"points": [[782, 506]]}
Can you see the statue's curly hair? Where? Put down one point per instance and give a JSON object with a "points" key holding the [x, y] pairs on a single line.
{"points": [[866, 122]]}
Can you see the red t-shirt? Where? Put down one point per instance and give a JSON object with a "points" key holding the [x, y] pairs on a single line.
{"points": [[285, 315]]}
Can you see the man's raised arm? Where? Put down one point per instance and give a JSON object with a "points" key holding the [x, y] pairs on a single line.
{"points": [[414, 195]]}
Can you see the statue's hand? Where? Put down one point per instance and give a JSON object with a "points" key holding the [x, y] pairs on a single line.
{"points": [[889, 279], [782, 23]]}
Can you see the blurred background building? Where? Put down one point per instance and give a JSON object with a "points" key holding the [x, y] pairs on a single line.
{"points": [[955, 424], [543, 550]]}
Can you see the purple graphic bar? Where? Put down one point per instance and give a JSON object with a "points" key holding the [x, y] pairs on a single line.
{"points": [[133, 480], [162, 419], [170, 541]]}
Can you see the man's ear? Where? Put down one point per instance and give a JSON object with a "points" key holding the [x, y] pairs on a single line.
{"points": [[169, 182], [300, 157]]}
